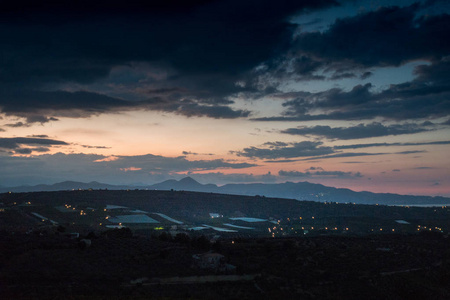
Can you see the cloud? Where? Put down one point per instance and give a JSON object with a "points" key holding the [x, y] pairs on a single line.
{"points": [[417, 99], [42, 107], [130, 169], [184, 57], [95, 147], [18, 124], [411, 152], [194, 153], [366, 75], [318, 174], [192, 58], [388, 36], [360, 131], [19, 144], [50, 168], [358, 146], [220, 178], [282, 150], [157, 163], [344, 154], [355, 154]]}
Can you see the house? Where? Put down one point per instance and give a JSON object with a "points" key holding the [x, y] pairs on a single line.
{"points": [[215, 215]]}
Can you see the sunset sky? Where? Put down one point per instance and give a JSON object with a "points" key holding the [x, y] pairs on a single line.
{"points": [[351, 94]]}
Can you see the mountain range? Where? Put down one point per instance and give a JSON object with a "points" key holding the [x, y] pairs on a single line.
{"points": [[291, 190]]}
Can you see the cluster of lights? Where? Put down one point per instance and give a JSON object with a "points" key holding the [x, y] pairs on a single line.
{"points": [[429, 228], [68, 206]]}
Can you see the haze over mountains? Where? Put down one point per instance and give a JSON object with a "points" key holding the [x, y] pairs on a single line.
{"points": [[292, 190]]}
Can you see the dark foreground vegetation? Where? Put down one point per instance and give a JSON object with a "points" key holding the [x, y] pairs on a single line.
{"points": [[53, 247]]}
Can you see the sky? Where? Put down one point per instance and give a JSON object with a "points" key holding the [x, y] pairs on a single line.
{"points": [[352, 94]]}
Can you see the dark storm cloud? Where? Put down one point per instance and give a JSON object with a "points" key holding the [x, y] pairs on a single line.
{"points": [[281, 150], [21, 145], [207, 45], [33, 105], [388, 36], [366, 75], [342, 76], [428, 95], [37, 106], [356, 132]]}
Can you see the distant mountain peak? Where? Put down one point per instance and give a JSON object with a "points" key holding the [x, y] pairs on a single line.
{"points": [[188, 180]]}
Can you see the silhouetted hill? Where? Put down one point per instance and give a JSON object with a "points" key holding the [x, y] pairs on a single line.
{"points": [[63, 186], [291, 190], [319, 192], [186, 184]]}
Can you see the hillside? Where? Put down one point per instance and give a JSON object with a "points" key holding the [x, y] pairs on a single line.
{"points": [[291, 190], [139, 244]]}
